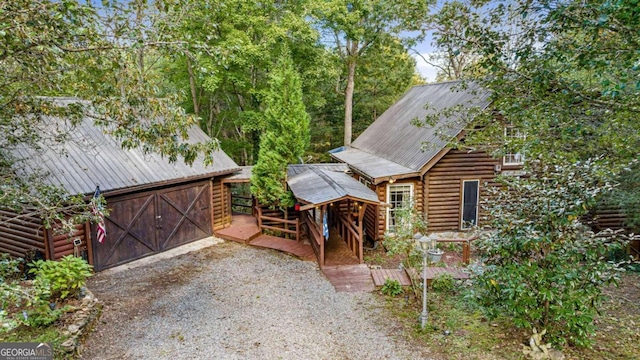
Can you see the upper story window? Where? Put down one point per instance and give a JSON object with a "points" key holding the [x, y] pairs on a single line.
{"points": [[513, 137], [365, 182]]}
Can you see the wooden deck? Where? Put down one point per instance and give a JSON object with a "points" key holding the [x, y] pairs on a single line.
{"points": [[299, 249], [381, 275], [243, 229], [434, 272], [337, 253], [350, 278]]}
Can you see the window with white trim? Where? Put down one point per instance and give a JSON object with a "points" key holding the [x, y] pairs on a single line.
{"points": [[512, 137], [469, 200], [398, 197]]}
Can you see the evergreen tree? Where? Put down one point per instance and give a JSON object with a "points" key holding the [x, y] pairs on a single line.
{"points": [[285, 138]]}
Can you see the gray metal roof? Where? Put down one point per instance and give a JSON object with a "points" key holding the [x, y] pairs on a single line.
{"points": [[296, 169], [320, 186], [394, 138], [243, 175], [93, 158], [371, 165]]}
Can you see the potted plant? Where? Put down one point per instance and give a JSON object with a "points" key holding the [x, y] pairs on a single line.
{"points": [[435, 255]]}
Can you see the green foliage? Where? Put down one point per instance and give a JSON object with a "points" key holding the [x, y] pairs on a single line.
{"points": [[443, 283], [627, 195], [285, 138], [564, 73], [42, 315], [9, 268], [401, 241], [392, 287], [61, 278], [544, 268], [359, 27], [95, 52]]}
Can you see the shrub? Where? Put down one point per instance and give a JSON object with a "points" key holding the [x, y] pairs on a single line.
{"points": [[63, 278], [443, 283], [545, 269], [42, 315], [9, 268], [392, 287]]}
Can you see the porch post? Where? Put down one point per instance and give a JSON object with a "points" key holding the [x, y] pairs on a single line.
{"points": [[361, 211]]}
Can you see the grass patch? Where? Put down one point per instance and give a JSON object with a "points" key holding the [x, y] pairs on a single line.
{"points": [[48, 334], [456, 328]]}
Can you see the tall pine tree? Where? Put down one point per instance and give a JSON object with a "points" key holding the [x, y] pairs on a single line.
{"points": [[285, 138]]}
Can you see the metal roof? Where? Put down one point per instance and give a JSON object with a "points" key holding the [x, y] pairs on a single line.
{"points": [[393, 137], [295, 169], [371, 165], [320, 186], [91, 157], [244, 175]]}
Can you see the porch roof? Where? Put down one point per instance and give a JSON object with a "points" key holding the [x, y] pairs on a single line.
{"points": [[374, 166], [318, 186]]}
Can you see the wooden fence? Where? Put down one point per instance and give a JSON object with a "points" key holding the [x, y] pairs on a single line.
{"points": [[275, 220]]}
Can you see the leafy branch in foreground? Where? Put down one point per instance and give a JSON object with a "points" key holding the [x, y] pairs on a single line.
{"points": [[544, 268]]}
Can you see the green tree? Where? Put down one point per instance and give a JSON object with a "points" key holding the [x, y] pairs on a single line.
{"points": [[71, 48], [566, 75], [544, 268], [285, 137], [228, 83], [357, 27]]}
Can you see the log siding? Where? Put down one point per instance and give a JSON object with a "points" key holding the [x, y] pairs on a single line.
{"points": [[443, 183]]}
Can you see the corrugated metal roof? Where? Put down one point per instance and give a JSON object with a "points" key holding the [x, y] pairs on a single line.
{"points": [[321, 186], [296, 169], [243, 175], [371, 165], [394, 138], [93, 158]]}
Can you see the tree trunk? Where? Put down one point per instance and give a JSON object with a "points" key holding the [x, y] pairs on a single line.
{"points": [[348, 102], [192, 85]]}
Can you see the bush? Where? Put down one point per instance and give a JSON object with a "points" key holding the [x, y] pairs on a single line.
{"points": [[9, 268], [443, 283], [62, 278], [392, 287], [545, 269]]}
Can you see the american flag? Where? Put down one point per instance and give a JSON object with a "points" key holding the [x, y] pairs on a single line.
{"points": [[101, 230]]}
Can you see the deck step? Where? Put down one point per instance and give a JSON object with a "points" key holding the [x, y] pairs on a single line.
{"points": [[299, 249], [350, 278], [381, 275]]}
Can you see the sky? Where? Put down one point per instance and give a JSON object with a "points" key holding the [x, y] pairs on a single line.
{"points": [[427, 71]]}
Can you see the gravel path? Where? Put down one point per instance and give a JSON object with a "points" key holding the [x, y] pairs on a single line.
{"points": [[231, 301]]}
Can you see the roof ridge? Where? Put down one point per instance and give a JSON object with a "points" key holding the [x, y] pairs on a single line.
{"points": [[339, 189]]}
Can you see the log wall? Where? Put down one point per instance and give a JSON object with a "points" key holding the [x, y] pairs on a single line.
{"points": [[442, 186], [221, 204], [20, 233], [61, 245]]}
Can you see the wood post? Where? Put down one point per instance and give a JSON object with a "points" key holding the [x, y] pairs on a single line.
{"points": [[48, 245], [361, 211], [89, 242]]}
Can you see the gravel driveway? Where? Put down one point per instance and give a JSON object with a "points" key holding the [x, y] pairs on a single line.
{"points": [[231, 301]]}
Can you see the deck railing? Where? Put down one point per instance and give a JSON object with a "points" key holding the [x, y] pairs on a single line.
{"points": [[315, 234], [278, 224], [466, 247]]}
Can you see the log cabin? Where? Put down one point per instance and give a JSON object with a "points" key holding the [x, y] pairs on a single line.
{"points": [[407, 165]]}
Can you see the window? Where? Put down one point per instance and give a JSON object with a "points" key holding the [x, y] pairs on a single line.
{"points": [[365, 182], [470, 197], [512, 136], [399, 196]]}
